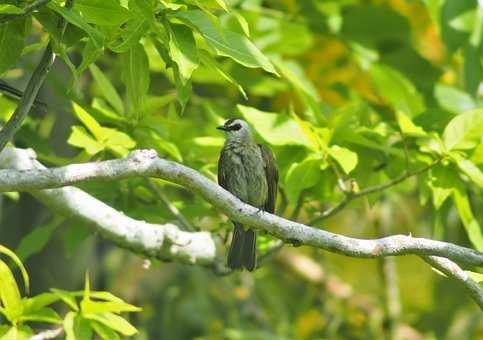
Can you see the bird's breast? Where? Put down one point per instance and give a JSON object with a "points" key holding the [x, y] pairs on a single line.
{"points": [[246, 177]]}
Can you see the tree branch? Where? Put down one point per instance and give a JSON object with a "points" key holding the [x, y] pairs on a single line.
{"points": [[453, 271], [33, 87], [26, 11], [146, 163], [168, 242], [350, 196], [165, 242]]}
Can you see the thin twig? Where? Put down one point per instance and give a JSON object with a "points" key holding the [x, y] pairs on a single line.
{"points": [[353, 195], [26, 11], [186, 225], [340, 179], [25, 104]]}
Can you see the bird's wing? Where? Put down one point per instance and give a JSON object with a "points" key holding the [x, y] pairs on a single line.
{"points": [[271, 172], [222, 169]]}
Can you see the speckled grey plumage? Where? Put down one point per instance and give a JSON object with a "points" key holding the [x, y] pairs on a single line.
{"points": [[248, 171]]}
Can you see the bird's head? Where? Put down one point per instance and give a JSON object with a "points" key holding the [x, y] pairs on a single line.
{"points": [[237, 130]]}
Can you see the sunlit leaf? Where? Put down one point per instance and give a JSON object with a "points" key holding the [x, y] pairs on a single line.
{"points": [[75, 18], [102, 12], [470, 223], [471, 170], [301, 176], [108, 90], [12, 37], [4, 250], [182, 49], [397, 90], [226, 43], [464, 131], [407, 127], [9, 294], [136, 77], [346, 158], [452, 99], [277, 129]]}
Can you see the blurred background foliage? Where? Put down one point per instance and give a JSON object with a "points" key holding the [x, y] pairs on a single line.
{"points": [[352, 91]]}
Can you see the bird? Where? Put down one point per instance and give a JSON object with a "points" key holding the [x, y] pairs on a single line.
{"points": [[247, 170]]}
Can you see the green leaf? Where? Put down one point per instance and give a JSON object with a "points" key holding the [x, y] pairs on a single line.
{"points": [[102, 12], [211, 63], [103, 331], [67, 297], [276, 129], [453, 99], [397, 90], [294, 73], [69, 326], [36, 240], [89, 55], [151, 139], [44, 314], [478, 277], [477, 156], [98, 307], [73, 236], [182, 49], [9, 294], [82, 139], [10, 9], [441, 181], [113, 321], [226, 43], [89, 122], [472, 227], [76, 327], [301, 176], [36, 303], [118, 142], [4, 250], [346, 158], [108, 90], [136, 77], [75, 18], [22, 332], [471, 170], [464, 131], [464, 22], [134, 29], [407, 126], [209, 141], [12, 39]]}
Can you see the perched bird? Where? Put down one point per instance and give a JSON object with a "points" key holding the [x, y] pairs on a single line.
{"points": [[248, 171]]}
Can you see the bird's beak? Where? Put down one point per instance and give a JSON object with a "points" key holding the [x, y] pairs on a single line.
{"points": [[222, 127]]}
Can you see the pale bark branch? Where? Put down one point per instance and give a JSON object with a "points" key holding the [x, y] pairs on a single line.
{"points": [[453, 271], [146, 163], [168, 242]]}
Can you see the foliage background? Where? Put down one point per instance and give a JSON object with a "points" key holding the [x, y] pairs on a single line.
{"points": [[366, 90]]}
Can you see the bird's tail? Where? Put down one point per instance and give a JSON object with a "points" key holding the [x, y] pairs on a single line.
{"points": [[242, 251]]}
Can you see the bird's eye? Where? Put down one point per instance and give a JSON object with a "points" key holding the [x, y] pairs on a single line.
{"points": [[235, 127]]}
